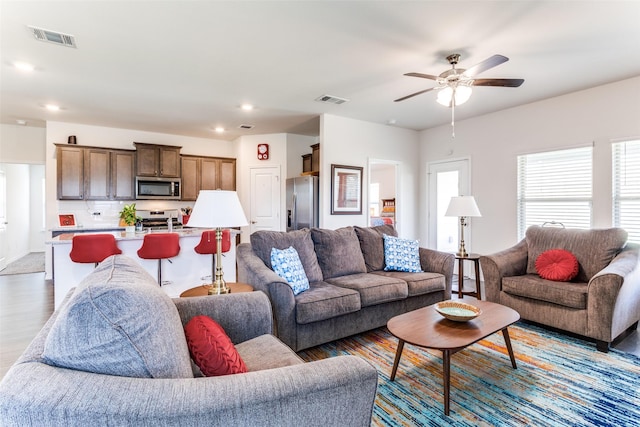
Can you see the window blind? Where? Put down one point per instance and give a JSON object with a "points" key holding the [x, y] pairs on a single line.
{"points": [[626, 187], [555, 186]]}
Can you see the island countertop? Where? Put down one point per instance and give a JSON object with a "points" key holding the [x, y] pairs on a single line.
{"points": [[65, 238], [184, 271]]}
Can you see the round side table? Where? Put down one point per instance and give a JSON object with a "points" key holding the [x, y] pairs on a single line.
{"points": [[203, 290]]}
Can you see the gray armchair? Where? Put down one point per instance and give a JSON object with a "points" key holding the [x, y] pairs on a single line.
{"points": [[600, 303], [279, 389]]}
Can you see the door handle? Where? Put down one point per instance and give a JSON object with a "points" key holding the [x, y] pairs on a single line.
{"points": [[254, 222]]}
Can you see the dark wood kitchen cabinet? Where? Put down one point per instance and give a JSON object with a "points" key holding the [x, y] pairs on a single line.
{"points": [[207, 173], [157, 160], [70, 172], [92, 173]]}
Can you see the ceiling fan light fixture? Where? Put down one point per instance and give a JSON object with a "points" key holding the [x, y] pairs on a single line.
{"points": [[462, 95]]}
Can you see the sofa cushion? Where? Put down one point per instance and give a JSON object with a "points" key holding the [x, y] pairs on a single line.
{"points": [[372, 245], [266, 352], [567, 294], [98, 331], [418, 283], [594, 249], [286, 264], [373, 289], [401, 254], [323, 301], [557, 264], [338, 252], [211, 349], [263, 241]]}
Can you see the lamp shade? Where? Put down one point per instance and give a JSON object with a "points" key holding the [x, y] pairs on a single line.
{"points": [[461, 93], [217, 209], [463, 206]]}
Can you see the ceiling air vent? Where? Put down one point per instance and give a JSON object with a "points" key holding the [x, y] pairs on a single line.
{"points": [[331, 99], [53, 37], [245, 127]]}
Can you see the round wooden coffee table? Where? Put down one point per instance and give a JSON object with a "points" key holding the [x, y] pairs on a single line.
{"points": [[203, 290], [425, 327]]}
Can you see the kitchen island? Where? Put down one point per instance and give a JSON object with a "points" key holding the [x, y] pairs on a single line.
{"points": [[187, 270]]}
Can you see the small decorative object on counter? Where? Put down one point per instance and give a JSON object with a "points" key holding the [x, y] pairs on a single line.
{"points": [[186, 214], [72, 139], [128, 218]]}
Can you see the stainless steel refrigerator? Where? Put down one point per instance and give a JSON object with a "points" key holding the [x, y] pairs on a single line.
{"points": [[302, 202]]}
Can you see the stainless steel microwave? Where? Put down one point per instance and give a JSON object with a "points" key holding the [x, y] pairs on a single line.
{"points": [[157, 188]]}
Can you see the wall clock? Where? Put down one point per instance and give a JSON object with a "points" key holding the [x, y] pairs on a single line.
{"points": [[263, 151]]}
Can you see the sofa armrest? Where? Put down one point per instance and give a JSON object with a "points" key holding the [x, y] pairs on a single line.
{"points": [[253, 271], [242, 316], [613, 299], [509, 262], [438, 262], [335, 391]]}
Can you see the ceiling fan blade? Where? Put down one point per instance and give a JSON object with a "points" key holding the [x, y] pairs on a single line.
{"points": [[491, 62], [412, 95], [498, 82], [423, 76]]}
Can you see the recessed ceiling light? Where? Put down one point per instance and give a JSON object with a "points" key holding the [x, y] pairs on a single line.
{"points": [[247, 107], [52, 107], [23, 66], [219, 129], [21, 122]]}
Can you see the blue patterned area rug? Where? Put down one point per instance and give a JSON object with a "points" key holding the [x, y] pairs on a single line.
{"points": [[560, 381]]}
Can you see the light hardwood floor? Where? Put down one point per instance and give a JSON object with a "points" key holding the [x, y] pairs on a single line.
{"points": [[26, 302]]}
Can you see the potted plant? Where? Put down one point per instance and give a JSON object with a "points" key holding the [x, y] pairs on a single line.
{"points": [[128, 217]]}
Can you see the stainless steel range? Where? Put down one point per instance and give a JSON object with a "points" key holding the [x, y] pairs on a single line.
{"points": [[158, 219]]}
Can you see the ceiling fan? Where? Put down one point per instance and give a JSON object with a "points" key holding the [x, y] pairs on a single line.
{"points": [[454, 85], [457, 78]]}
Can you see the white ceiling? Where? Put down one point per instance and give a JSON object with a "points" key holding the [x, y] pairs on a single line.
{"points": [[184, 67]]}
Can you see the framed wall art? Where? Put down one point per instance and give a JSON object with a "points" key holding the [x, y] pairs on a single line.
{"points": [[67, 220], [346, 190]]}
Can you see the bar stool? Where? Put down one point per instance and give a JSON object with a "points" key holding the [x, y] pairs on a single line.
{"points": [[160, 246], [208, 245], [93, 248]]}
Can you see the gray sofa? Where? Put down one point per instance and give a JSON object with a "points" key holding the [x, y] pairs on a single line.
{"points": [[119, 320], [349, 290], [600, 303]]}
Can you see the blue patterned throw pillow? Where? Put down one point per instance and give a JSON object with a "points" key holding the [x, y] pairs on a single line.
{"points": [[401, 254], [286, 263]]}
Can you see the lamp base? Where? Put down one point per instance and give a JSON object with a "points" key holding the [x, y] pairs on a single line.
{"points": [[218, 288]]}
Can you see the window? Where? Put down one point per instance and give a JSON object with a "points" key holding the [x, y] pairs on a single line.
{"points": [[626, 187], [555, 186]]}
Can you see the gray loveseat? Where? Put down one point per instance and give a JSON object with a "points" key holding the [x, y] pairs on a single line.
{"points": [[349, 290], [119, 320], [600, 303]]}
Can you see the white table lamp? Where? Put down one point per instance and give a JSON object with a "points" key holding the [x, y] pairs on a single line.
{"points": [[462, 206], [217, 209]]}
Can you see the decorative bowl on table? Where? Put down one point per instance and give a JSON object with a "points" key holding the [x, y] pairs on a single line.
{"points": [[457, 311]]}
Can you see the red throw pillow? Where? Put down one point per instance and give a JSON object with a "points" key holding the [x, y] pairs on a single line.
{"points": [[557, 264], [211, 349]]}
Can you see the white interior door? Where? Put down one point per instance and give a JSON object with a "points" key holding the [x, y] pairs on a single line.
{"points": [[3, 221], [446, 180], [265, 199]]}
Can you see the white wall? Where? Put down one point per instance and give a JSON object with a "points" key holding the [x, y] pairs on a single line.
{"points": [[37, 230], [247, 158], [594, 116], [353, 142], [17, 233], [297, 145], [385, 176], [22, 156], [22, 144]]}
